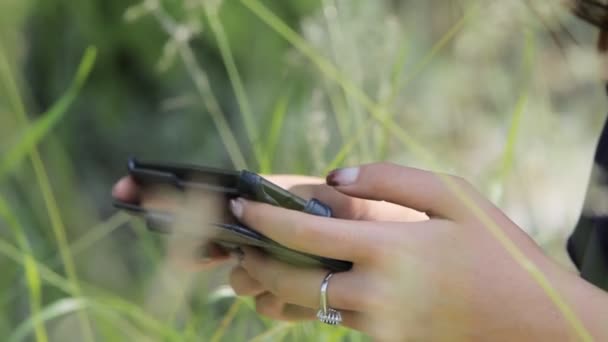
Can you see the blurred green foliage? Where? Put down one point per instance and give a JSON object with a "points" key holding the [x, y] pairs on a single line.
{"points": [[498, 92]]}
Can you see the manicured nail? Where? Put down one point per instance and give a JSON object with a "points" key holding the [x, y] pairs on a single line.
{"points": [[344, 176], [236, 206]]}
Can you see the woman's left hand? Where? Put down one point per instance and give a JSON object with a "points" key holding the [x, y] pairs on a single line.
{"points": [[443, 278]]}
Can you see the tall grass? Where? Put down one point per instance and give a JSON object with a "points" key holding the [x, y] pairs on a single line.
{"points": [[373, 104], [26, 145]]}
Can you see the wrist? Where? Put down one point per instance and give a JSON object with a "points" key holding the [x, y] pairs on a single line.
{"points": [[567, 308], [588, 303]]}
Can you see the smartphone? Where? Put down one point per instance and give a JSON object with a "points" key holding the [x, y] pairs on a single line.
{"points": [[218, 187]]}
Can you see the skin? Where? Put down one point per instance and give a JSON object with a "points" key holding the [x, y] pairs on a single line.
{"points": [[432, 273]]}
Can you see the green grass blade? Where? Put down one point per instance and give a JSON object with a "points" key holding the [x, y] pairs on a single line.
{"points": [[39, 169], [274, 333], [343, 154], [339, 109], [70, 305], [99, 232], [336, 34], [274, 134], [225, 323], [508, 157], [32, 275], [336, 96], [396, 75], [292, 37], [48, 275], [57, 224], [14, 99], [59, 308], [399, 65], [93, 235], [424, 62], [36, 131], [203, 86], [378, 112], [212, 11], [112, 302]]}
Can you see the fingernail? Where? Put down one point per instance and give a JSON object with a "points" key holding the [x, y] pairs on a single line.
{"points": [[344, 176], [236, 206]]}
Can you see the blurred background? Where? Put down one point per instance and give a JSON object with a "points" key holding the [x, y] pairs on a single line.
{"points": [[504, 93]]}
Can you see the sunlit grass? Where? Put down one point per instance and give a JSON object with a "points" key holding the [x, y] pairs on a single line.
{"points": [[508, 157], [98, 299], [274, 133], [31, 270], [33, 133], [181, 36], [27, 146], [251, 127]]}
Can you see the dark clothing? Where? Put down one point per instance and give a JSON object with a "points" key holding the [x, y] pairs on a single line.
{"points": [[588, 245]]}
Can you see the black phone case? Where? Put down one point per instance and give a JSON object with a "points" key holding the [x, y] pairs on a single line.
{"points": [[229, 184]]}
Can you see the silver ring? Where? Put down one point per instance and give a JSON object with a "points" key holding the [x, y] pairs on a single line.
{"points": [[326, 314]]}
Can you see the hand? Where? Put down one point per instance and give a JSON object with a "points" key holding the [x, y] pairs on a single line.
{"points": [[343, 206], [185, 253], [443, 278]]}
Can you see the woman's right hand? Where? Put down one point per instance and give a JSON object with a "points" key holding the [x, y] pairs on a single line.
{"points": [[343, 206], [181, 251]]}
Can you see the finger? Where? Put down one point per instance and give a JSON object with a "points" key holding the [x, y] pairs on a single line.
{"points": [[126, 190], [353, 208], [243, 284], [292, 312], [272, 307], [328, 237], [342, 206], [289, 182], [301, 286], [157, 197], [432, 193], [269, 305]]}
